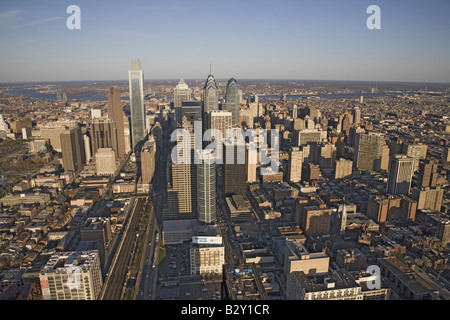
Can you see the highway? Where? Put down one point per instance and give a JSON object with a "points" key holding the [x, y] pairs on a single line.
{"points": [[148, 276], [115, 281]]}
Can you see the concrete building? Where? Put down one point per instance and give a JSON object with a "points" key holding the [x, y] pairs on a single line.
{"points": [[406, 283], [428, 198], [148, 161], [343, 168], [400, 174], [371, 152], [336, 285], [53, 134], [295, 165], [391, 207], [298, 258], [73, 151], [417, 151], [72, 276], [181, 93], [207, 252], [105, 162], [428, 173], [115, 113]]}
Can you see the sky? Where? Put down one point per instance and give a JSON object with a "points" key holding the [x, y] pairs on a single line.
{"points": [[244, 39]]}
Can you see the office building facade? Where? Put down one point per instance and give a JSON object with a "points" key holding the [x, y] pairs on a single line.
{"points": [[137, 107]]}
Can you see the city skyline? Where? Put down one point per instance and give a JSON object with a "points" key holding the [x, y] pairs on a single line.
{"points": [[180, 39]]}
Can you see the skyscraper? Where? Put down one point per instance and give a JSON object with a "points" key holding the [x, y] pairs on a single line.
{"points": [[104, 135], [73, 152], [400, 174], [182, 187], [232, 100], [181, 93], [206, 186], [136, 83], [210, 95], [115, 113], [235, 168]]}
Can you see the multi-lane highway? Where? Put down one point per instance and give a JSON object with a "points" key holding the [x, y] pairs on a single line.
{"points": [[147, 276], [116, 278]]}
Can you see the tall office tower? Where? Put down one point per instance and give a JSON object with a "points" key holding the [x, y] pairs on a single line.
{"points": [[356, 112], [427, 173], [232, 100], [148, 160], [206, 186], [295, 164], [87, 148], [369, 150], [105, 162], [400, 174], [137, 107], [220, 120], [74, 275], [181, 93], [210, 95], [127, 133], [235, 168], [104, 135], [73, 153], [295, 112], [416, 151], [183, 178], [252, 162], [115, 113]]}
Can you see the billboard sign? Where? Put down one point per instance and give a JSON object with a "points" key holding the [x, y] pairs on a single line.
{"points": [[207, 240]]}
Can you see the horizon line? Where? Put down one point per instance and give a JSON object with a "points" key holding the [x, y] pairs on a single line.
{"points": [[226, 79]]}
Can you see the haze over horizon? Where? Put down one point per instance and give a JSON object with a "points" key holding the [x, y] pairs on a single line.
{"points": [[285, 40]]}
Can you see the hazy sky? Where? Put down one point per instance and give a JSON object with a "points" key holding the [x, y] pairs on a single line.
{"points": [[245, 39]]}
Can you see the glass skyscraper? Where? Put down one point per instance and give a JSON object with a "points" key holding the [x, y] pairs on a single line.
{"points": [[136, 83], [232, 100], [210, 95], [206, 186]]}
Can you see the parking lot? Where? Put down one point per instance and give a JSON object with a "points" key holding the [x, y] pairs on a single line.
{"points": [[178, 284]]}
